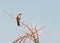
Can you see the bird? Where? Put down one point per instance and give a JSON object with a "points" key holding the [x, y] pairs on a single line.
{"points": [[18, 18]]}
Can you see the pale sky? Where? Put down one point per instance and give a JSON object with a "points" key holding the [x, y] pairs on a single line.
{"points": [[41, 12]]}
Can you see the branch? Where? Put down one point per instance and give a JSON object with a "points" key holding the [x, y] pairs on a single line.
{"points": [[8, 14], [19, 39], [23, 24]]}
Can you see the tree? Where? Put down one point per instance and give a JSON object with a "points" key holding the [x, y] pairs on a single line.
{"points": [[32, 34]]}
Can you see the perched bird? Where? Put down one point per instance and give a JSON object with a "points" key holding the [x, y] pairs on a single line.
{"points": [[18, 19]]}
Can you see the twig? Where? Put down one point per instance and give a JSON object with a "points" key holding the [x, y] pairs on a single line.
{"points": [[23, 24], [8, 14]]}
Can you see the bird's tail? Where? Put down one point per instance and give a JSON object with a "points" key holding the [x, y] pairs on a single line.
{"points": [[18, 23]]}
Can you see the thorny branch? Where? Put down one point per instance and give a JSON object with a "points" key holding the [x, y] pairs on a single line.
{"points": [[23, 24], [33, 36]]}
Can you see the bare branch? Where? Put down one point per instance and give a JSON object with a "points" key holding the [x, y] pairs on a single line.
{"points": [[23, 24], [19, 39], [24, 40], [9, 14]]}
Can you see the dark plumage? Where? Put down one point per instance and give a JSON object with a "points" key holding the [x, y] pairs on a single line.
{"points": [[18, 19]]}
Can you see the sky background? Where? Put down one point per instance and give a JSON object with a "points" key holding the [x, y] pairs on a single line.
{"points": [[40, 12]]}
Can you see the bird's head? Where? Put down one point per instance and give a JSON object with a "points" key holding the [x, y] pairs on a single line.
{"points": [[20, 13]]}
